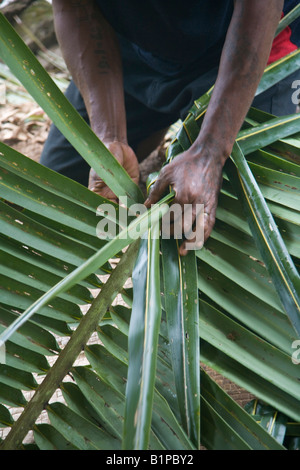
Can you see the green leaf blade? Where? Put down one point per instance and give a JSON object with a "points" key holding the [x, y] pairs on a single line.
{"points": [[146, 314], [273, 251], [181, 304]]}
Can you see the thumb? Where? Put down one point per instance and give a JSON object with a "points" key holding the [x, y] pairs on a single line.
{"points": [[158, 189]]}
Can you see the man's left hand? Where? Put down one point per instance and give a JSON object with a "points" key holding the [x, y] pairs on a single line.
{"points": [[127, 158], [196, 179]]}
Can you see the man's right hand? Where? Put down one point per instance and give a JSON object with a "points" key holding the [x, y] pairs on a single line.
{"points": [[90, 48], [127, 158]]}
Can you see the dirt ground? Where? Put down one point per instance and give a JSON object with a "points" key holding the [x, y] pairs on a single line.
{"points": [[24, 127]]}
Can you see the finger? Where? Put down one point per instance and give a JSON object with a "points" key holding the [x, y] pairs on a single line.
{"points": [[188, 217], [158, 189], [99, 187], [172, 221], [195, 235], [209, 222], [107, 194], [182, 214], [182, 249]]}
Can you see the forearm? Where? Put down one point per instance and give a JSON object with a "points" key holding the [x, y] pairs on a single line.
{"points": [[90, 49], [244, 57]]}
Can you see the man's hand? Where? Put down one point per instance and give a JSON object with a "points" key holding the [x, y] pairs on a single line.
{"points": [[196, 178], [127, 158], [91, 51], [196, 174]]}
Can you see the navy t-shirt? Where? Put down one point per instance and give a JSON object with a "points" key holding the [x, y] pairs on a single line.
{"points": [[174, 30], [295, 26], [179, 31]]}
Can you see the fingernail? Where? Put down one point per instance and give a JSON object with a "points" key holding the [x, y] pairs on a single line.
{"points": [[182, 250]]}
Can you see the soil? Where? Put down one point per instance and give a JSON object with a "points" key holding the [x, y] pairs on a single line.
{"points": [[24, 127]]}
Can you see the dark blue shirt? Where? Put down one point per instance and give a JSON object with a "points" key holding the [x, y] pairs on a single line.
{"points": [[175, 30], [295, 26], [180, 31]]}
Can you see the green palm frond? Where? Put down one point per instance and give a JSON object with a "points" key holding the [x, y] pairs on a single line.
{"points": [[232, 306]]}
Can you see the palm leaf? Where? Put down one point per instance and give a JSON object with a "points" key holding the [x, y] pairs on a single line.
{"points": [[181, 305], [288, 19], [123, 239], [71, 351], [273, 251], [224, 418], [243, 325], [279, 70], [143, 337], [265, 134]]}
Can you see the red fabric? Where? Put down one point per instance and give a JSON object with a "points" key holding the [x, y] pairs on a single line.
{"points": [[282, 45]]}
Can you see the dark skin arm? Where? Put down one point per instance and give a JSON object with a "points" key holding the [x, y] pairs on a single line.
{"points": [[196, 175], [91, 51]]}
